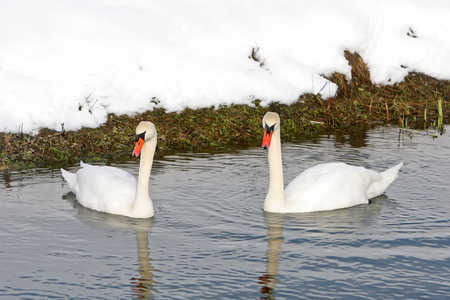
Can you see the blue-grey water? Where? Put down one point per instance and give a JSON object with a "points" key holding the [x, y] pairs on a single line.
{"points": [[210, 239]]}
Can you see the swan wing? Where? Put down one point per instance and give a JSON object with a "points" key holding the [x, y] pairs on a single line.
{"points": [[105, 188], [329, 186]]}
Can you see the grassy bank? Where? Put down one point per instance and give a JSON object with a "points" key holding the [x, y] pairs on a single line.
{"points": [[418, 102]]}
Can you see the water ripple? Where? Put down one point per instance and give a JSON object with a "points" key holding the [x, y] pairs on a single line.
{"points": [[210, 239]]}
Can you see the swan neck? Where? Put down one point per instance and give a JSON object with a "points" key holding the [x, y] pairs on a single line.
{"points": [[275, 195], [142, 200]]}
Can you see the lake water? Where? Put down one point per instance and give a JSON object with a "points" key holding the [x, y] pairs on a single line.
{"points": [[210, 238]]}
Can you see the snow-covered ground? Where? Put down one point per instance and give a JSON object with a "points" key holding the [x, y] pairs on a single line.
{"points": [[75, 61]]}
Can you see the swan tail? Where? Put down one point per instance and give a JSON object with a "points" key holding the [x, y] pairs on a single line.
{"points": [[71, 179], [387, 177]]}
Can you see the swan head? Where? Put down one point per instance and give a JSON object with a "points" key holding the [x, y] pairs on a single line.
{"points": [[270, 123], [145, 131]]}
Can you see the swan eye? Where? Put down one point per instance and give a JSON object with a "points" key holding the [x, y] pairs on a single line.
{"points": [[140, 136], [269, 129]]}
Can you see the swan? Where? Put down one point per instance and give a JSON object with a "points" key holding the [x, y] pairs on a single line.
{"points": [[113, 190], [323, 187]]}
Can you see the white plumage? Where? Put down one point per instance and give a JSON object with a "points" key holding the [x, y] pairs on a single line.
{"points": [[323, 187], [113, 190]]}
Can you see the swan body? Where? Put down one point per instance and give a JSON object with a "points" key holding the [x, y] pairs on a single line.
{"points": [[113, 190], [323, 187]]}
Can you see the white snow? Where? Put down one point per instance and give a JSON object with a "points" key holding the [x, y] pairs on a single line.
{"points": [[75, 61]]}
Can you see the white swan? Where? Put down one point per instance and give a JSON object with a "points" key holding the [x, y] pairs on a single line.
{"points": [[115, 191], [323, 187]]}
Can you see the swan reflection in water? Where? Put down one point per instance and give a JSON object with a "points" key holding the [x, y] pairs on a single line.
{"points": [[275, 240], [143, 283], [345, 223]]}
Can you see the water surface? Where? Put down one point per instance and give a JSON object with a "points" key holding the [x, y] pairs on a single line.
{"points": [[210, 239]]}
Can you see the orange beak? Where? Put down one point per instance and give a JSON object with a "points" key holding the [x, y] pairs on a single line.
{"points": [[268, 132], [138, 147]]}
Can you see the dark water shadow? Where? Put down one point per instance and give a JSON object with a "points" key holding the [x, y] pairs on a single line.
{"points": [[143, 284]]}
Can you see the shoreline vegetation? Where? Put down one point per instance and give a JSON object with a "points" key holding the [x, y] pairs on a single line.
{"points": [[419, 102]]}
